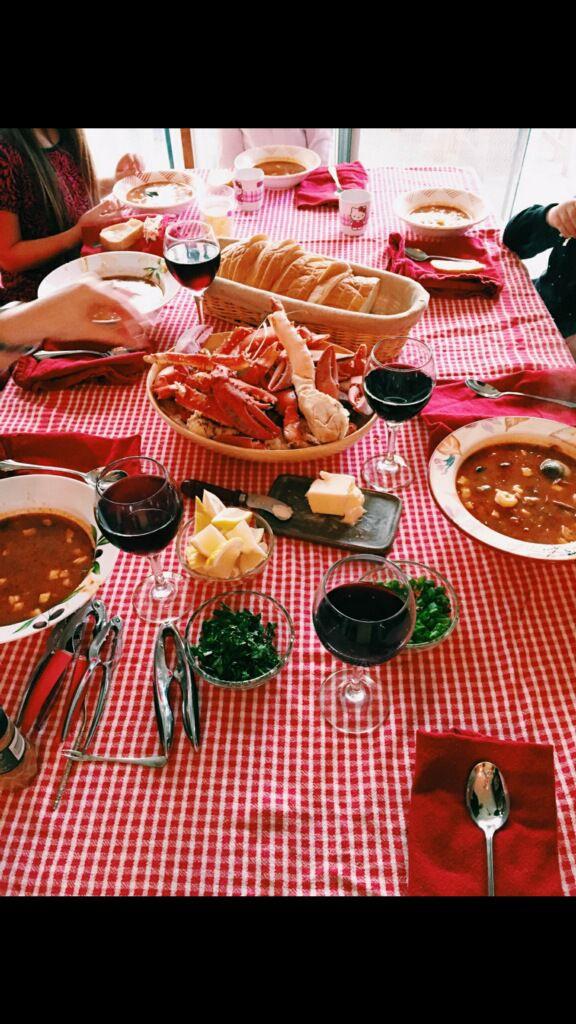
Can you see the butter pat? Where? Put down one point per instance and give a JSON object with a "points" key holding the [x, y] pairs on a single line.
{"points": [[336, 494]]}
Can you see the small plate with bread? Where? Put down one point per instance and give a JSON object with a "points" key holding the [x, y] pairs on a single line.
{"points": [[156, 191], [144, 276]]}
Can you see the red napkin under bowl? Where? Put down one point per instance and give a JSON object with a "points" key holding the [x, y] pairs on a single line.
{"points": [[454, 405], [73, 451], [447, 851], [319, 188], [60, 373], [483, 282]]}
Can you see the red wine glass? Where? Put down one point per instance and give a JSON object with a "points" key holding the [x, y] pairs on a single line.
{"points": [[138, 509], [192, 254], [363, 622], [396, 389]]}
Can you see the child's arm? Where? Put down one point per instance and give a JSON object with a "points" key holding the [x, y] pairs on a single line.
{"points": [[529, 232]]}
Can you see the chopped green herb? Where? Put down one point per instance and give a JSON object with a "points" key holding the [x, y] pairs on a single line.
{"points": [[235, 646], [433, 609]]}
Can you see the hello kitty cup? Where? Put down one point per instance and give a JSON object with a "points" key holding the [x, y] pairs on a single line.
{"points": [[354, 210], [249, 188]]}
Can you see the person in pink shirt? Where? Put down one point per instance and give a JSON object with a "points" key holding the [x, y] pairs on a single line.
{"points": [[234, 141]]}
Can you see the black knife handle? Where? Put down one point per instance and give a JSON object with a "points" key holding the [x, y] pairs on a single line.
{"points": [[196, 488]]}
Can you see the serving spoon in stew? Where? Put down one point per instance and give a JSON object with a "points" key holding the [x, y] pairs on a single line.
{"points": [[489, 391]]}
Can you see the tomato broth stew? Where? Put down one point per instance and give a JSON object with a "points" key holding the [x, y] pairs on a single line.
{"points": [[506, 488], [43, 558]]}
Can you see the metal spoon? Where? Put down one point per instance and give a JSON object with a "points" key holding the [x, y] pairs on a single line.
{"points": [[41, 354], [489, 391], [90, 478], [333, 174], [418, 255], [489, 805]]}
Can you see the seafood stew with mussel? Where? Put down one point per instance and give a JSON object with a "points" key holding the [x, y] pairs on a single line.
{"points": [[522, 490]]}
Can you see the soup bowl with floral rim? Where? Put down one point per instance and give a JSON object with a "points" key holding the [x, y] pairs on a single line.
{"points": [[454, 449], [74, 500]]}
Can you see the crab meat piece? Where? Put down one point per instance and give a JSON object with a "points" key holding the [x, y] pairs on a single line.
{"points": [[293, 424], [327, 373], [327, 419], [246, 416]]}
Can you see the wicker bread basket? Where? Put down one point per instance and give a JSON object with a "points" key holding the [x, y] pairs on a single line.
{"points": [[399, 305]]}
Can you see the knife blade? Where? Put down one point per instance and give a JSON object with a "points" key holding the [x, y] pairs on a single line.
{"points": [[238, 499]]}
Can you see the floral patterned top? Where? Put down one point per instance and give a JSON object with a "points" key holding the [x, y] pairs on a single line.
{"points": [[20, 194]]}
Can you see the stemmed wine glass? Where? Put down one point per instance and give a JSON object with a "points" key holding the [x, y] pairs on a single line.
{"points": [[138, 509], [364, 614], [192, 254], [396, 389]]}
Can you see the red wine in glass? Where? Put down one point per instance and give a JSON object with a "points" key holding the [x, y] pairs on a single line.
{"points": [[140, 514], [193, 264], [192, 255], [397, 393], [138, 510], [363, 623], [397, 387]]}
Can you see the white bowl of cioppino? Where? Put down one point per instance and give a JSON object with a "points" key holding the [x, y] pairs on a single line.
{"points": [[440, 212], [355, 304], [283, 166], [510, 482], [52, 556]]}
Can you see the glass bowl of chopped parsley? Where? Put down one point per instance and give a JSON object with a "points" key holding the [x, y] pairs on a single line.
{"points": [[240, 639], [437, 605]]}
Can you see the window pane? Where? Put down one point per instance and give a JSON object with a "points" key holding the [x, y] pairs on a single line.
{"points": [[492, 152], [109, 144]]}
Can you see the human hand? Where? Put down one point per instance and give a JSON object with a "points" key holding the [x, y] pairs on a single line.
{"points": [[130, 163], [563, 218], [91, 310]]}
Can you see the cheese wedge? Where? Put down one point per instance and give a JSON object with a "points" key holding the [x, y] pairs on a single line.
{"points": [[118, 237]]}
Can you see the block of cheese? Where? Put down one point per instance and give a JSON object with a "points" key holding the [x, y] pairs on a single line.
{"points": [[118, 237], [336, 494]]}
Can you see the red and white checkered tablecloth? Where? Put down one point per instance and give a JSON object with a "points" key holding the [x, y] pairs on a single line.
{"points": [[276, 802]]}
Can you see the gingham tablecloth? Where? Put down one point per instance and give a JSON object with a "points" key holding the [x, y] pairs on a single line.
{"points": [[276, 802]]}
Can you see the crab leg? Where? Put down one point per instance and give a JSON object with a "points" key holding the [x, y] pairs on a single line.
{"points": [[327, 373]]}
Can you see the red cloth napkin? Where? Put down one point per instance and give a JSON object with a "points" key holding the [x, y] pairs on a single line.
{"points": [[76, 451], [484, 282], [60, 373], [447, 851], [318, 188], [454, 405]]}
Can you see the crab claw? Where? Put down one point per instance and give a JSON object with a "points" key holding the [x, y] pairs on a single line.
{"points": [[327, 373]]}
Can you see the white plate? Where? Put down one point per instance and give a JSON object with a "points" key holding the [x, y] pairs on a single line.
{"points": [[469, 202], [61, 495], [153, 205], [306, 157], [453, 450], [117, 264]]}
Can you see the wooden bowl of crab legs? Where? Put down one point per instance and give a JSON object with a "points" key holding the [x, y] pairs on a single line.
{"points": [[278, 393]]}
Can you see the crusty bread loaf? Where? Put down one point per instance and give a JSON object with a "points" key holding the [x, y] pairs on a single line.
{"points": [[119, 237], [287, 269]]}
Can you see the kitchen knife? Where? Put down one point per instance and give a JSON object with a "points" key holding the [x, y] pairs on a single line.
{"points": [[195, 489]]}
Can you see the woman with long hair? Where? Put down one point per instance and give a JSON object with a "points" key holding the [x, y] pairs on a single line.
{"points": [[47, 182]]}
